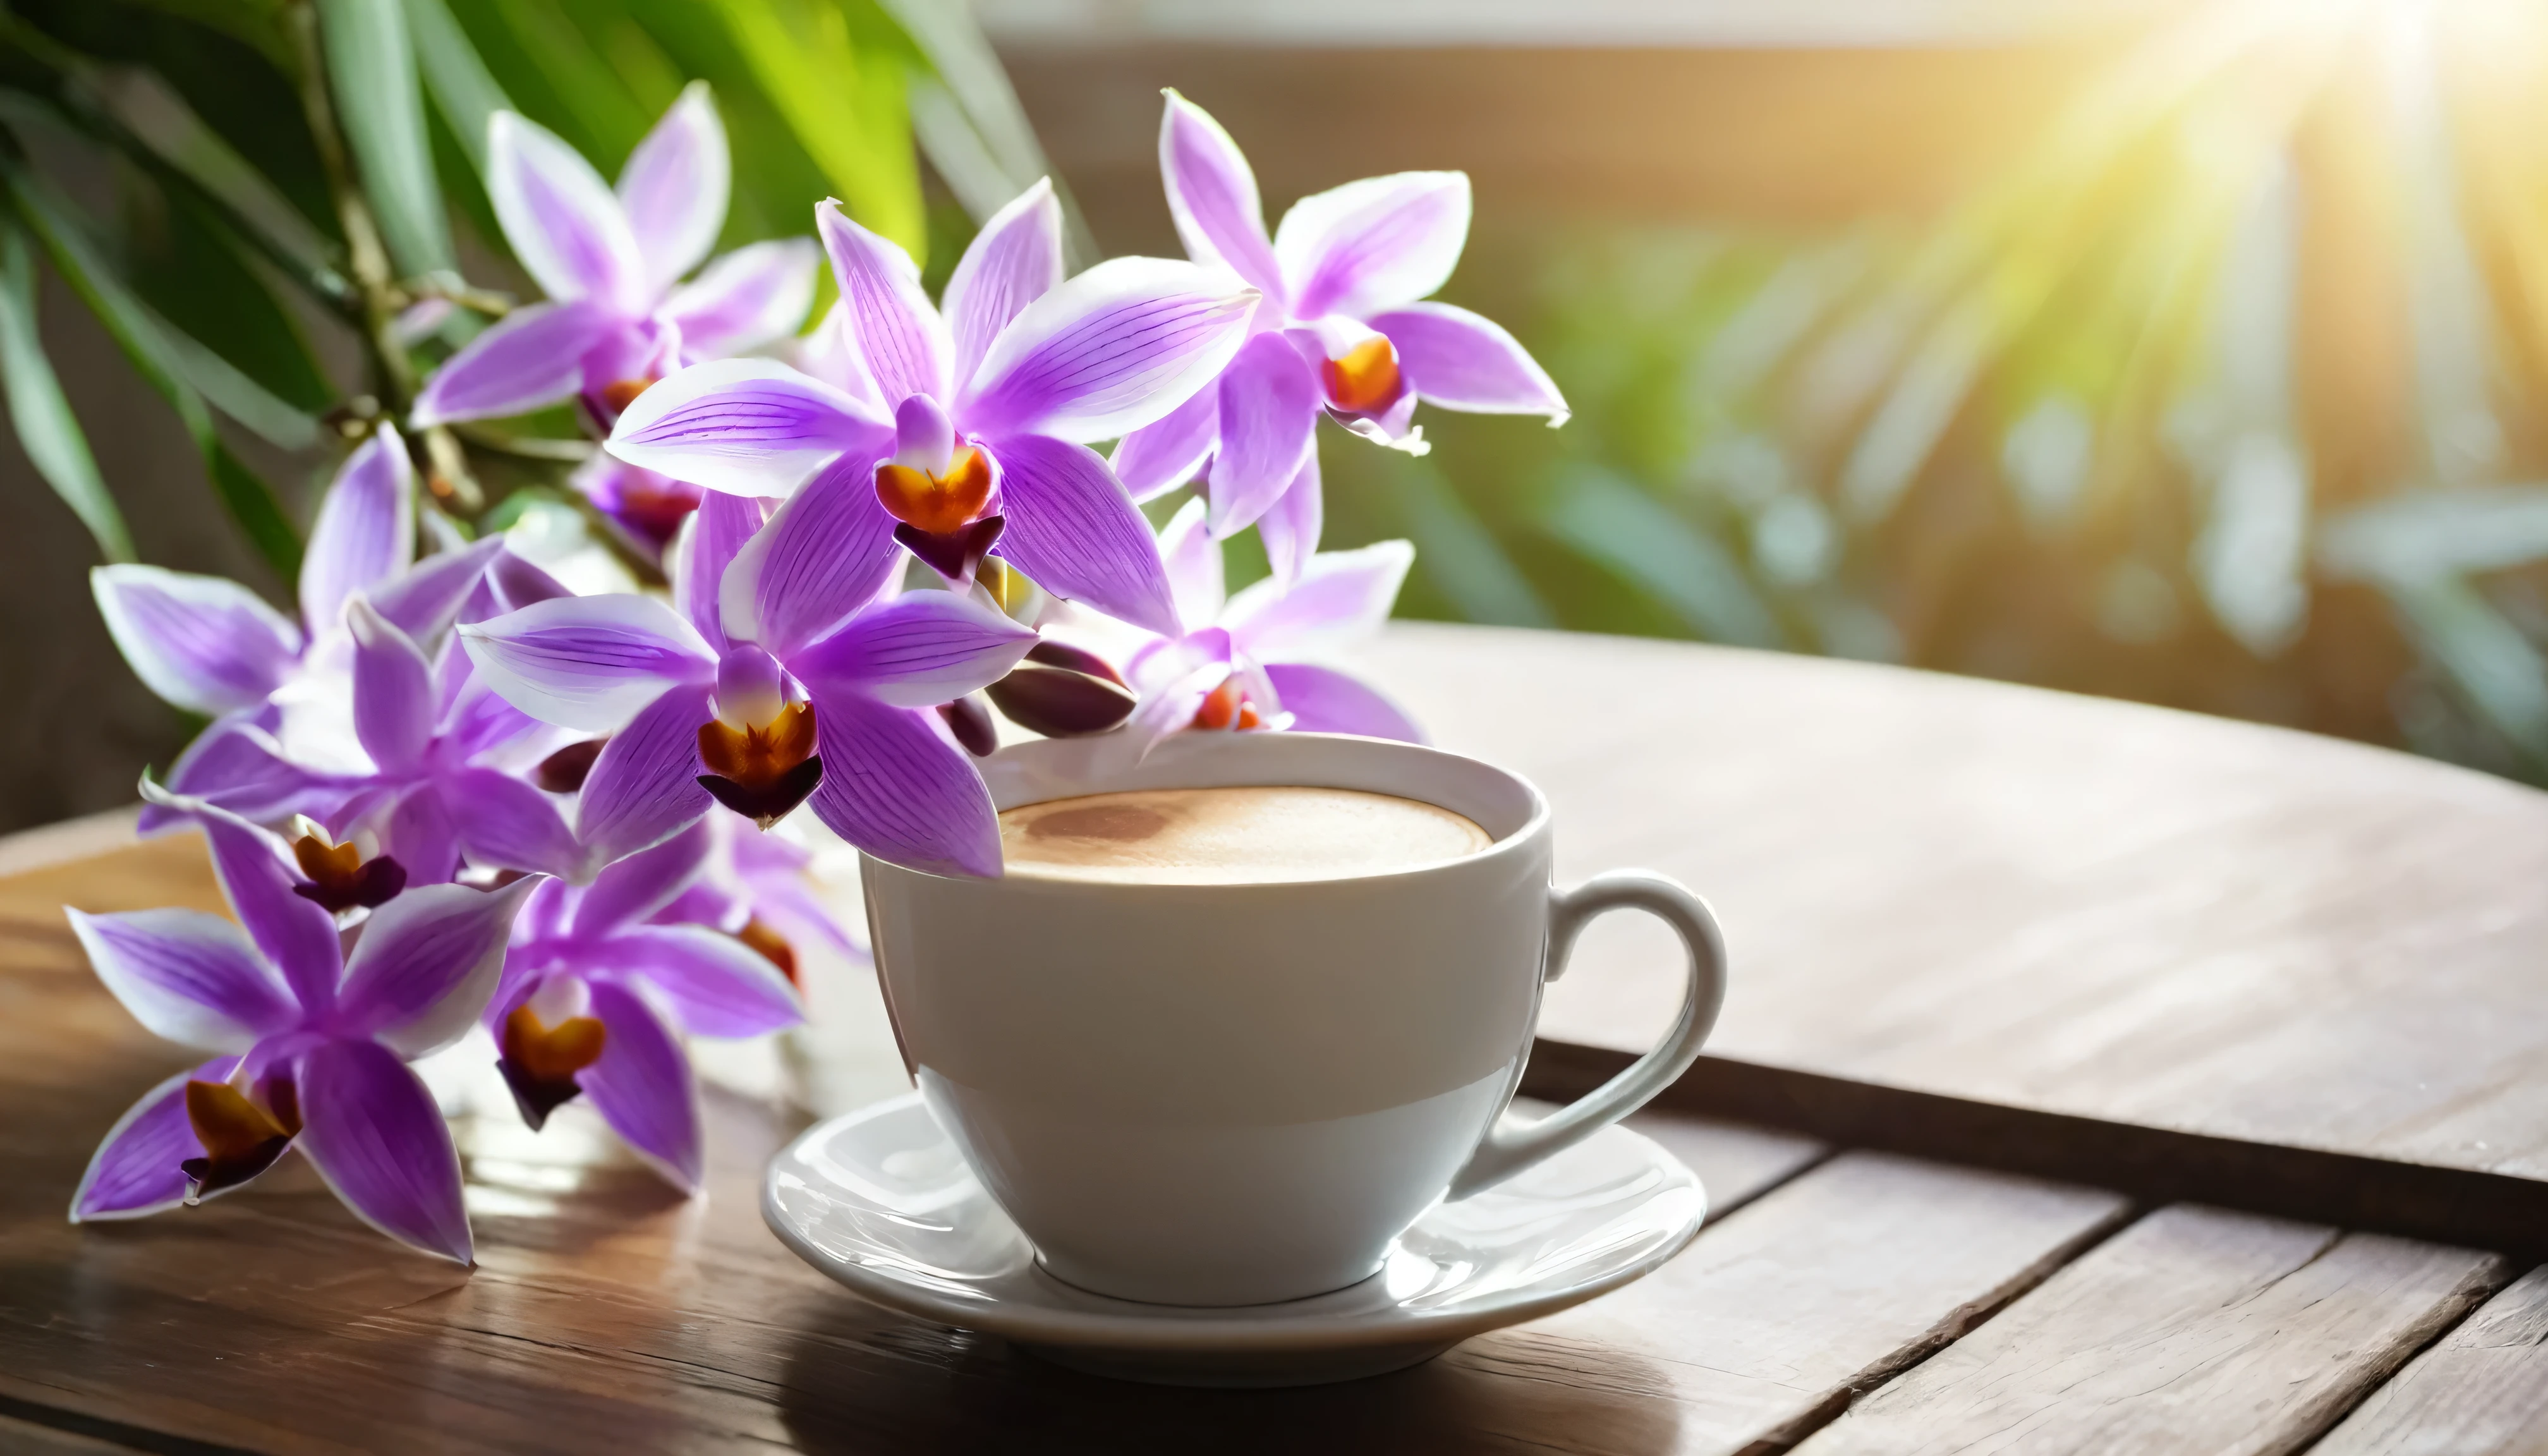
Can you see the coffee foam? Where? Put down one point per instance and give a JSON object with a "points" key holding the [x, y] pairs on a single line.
{"points": [[1232, 835]]}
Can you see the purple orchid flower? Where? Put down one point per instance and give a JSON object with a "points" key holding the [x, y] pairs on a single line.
{"points": [[1343, 330], [211, 646], [777, 679], [594, 998], [968, 432], [757, 888], [617, 316], [1257, 660], [314, 1040]]}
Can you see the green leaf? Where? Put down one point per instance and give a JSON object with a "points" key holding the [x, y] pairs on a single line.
{"points": [[464, 90], [371, 75], [970, 121], [46, 429], [1624, 529], [260, 24], [1455, 554], [2424, 535], [2496, 669], [845, 103], [170, 364]]}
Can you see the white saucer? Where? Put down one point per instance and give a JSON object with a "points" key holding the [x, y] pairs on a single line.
{"points": [[881, 1201]]}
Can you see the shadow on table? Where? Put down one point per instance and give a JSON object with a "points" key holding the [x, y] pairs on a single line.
{"points": [[946, 1389]]}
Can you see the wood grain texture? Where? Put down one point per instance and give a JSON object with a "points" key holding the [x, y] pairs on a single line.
{"points": [[1823, 1288], [606, 1315], [2027, 898], [2482, 1390], [2195, 1329]]}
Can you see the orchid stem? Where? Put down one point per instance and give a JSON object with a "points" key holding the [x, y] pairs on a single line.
{"points": [[452, 480], [366, 256]]}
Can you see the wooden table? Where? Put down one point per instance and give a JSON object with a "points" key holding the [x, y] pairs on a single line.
{"points": [[2097, 1078]]}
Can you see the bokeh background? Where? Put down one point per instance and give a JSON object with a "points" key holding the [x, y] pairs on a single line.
{"points": [[2192, 353]]}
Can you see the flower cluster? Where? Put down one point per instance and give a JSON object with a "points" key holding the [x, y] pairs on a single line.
{"points": [[456, 792]]}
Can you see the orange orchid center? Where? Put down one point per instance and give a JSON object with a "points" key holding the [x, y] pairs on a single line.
{"points": [[1365, 380], [773, 946], [551, 1053], [619, 394], [326, 863], [337, 877], [241, 1136], [936, 504], [1227, 707], [757, 758]]}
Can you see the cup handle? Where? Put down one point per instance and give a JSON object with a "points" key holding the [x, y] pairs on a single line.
{"points": [[1512, 1146]]}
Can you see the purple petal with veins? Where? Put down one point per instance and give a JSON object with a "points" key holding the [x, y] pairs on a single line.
{"points": [[1072, 529], [643, 1086], [587, 663], [826, 552], [1107, 352], [565, 227], [502, 823], [1340, 597], [717, 530], [204, 643], [1269, 406], [393, 694], [1461, 361], [190, 978], [756, 294], [1014, 260], [372, 1131], [1373, 244], [1211, 195], [896, 788], [531, 358], [915, 650], [135, 1171], [295, 936], [423, 600], [1290, 530], [1324, 699], [426, 964], [1159, 457], [714, 985], [365, 532], [898, 336], [643, 883], [674, 187], [747, 426], [645, 785]]}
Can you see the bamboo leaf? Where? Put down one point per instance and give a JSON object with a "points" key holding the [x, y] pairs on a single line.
{"points": [[464, 90], [2496, 669], [371, 75], [1627, 531], [152, 349], [845, 104], [47, 429], [968, 118], [1456, 555]]}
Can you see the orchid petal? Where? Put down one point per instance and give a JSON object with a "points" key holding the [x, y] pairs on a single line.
{"points": [[1377, 243], [1171, 707], [1072, 529], [673, 189], [643, 883], [1269, 406], [1326, 700], [531, 358], [1013, 262], [365, 534], [565, 227], [705, 547], [374, 1134], [1162, 456], [137, 1170], [830, 354], [422, 601], [295, 936], [1193, 560], [517, 582], [827, 550], [1461, 361], [207, 644], [187, 976], [1163, 662], [393, 696], [237, 766], [1211, 195], [426, 964], [899, 337], [1290, 530], [644, 1088], [745, 426], [502, 823], [894, 786], [587, 663], [758, 293], [411, 825], [1340, 597], [1110, 350], [716, 986], [915, 650], [645, 786]]}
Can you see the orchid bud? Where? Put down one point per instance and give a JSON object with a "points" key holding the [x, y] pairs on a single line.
{"points": [[1059, 702]]}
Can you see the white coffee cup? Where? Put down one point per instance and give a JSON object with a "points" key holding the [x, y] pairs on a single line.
{"points": [[1233, 1094]]}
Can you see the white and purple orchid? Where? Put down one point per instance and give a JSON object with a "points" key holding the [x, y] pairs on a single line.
{"points": [[314, 1040], [610, 261], [211, 646], [965, 433], [1345, 329], [595, 999], [785, 680], [1264, 658]]}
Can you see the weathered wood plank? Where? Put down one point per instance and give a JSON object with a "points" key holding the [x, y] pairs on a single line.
{"points": [[2483, 1391], [28, 1439], [2027, 898], [1822, 1288], [2195, 1329]]}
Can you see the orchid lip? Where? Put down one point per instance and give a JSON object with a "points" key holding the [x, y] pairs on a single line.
{"points": [[763, 771], [239, 1136], [539, 1061], [954, 555]]}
